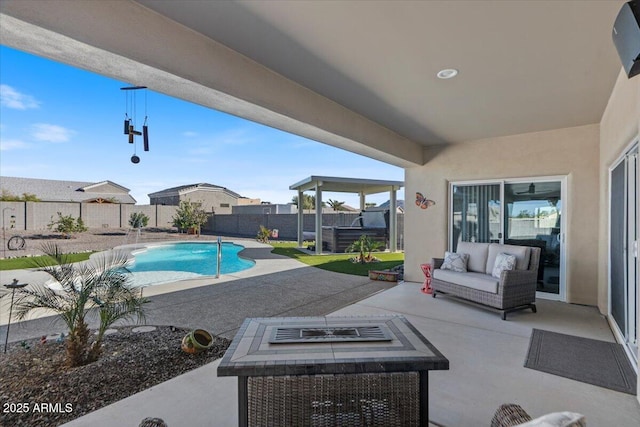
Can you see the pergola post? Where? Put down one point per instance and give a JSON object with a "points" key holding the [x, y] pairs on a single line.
{"points": [[362, 201], [393, 220], [318, 218], [300, 219]]}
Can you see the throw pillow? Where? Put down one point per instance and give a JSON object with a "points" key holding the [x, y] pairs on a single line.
{"points": [[455, 262], [503, 262], [557, 419]]}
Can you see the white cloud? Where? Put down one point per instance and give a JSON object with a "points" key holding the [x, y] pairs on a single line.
{"points": [[190, 134], [51, 133], [12, 144], [11, 98]]}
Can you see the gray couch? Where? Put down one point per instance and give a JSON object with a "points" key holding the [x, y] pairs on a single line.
{"points": [[514, 290]]}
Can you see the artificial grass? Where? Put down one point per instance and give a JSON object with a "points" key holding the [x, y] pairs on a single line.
{"points": [[30, 262], [338, 262]]}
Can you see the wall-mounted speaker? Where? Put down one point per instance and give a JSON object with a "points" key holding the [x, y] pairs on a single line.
{"points": [[626, 37]]}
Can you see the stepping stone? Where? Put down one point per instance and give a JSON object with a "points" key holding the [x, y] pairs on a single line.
{"points": [[144, 329]]}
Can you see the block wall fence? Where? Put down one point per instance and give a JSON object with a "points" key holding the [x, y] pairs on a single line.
{"points": [[35, 216]]}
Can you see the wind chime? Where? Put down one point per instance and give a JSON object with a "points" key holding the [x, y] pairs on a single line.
{"points": [[130, 119]]}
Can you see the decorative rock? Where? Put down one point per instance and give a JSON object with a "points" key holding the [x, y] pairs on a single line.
{"points": [[142, 329], [109, 332]]}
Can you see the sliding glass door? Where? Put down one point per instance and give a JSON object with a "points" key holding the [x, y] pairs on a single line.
{"points": [[516, 212], [533, 213], [623, 249], [476, 214]]}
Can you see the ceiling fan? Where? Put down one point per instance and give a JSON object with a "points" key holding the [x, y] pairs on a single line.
{"points": [[532, 190]]}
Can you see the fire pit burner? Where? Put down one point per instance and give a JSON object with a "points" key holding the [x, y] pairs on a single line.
{"points": [[287, 335]]}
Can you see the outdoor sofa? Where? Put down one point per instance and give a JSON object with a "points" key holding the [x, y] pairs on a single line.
{"points": [[503, 277]]}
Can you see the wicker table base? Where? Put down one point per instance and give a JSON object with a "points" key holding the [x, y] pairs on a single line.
{"points": [[351, 400], [372, 382]]}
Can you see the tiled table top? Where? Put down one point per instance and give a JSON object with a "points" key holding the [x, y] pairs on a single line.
{"points": [[252, 354]]}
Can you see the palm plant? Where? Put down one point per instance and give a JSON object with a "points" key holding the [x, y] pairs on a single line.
{"points": [[336, 205], [364, 245], [99, 288]]}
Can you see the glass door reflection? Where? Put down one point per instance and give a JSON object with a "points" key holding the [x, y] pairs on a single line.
{"points": [[532, 217]]}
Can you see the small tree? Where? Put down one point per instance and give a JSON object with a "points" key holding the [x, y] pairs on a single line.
{"points": [[138, 220], [364, 245], [66, 224], [189, 214], [308, 202], [99, 288]]}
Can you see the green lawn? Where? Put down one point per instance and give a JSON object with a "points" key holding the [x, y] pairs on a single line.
{"points": [[339, 263], [30, 262]]}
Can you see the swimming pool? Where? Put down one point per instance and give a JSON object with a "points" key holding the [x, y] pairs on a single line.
{"points": [[178, 261]]}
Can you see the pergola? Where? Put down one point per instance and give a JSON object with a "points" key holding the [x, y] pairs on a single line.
{"points": [[363, 187]]}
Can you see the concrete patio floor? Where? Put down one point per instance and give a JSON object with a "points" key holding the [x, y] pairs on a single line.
{"points": [[486, 357], [486, 354]]}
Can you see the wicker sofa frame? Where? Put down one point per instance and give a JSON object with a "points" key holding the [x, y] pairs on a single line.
{"points": [[516, 289], [511, 414]]}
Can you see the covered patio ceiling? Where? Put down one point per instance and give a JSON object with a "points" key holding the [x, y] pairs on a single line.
{"points": [[356, 75], [362, 187]]}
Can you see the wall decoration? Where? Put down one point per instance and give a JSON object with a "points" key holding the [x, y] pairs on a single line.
{"points": [[423, 202]]}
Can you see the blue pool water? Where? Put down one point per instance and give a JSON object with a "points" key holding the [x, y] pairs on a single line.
{"points": [[177, 261]]}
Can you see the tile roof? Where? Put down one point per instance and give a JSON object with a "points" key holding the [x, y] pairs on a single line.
{"points": [[182, 189], [49, 190]]}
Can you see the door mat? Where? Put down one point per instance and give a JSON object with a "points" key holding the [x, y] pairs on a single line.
{"points": [[600, 363]]}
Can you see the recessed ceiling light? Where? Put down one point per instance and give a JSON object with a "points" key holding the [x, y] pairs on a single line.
{"points": [[447, 73]]}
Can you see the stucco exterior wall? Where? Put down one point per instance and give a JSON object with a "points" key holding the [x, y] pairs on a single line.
{"points": [[619, 127], [212, 201], [571, 152]]}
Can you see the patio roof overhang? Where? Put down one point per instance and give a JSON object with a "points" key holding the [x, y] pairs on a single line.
{"points": [[359, 186]]}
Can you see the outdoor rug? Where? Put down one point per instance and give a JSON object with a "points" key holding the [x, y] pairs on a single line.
{"points": [[600, 363]]}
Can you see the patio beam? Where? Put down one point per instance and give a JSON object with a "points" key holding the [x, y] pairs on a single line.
{"points": [[126, 41]]}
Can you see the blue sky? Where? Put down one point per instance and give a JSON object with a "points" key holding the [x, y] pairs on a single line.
{"points": [[60, 122]]}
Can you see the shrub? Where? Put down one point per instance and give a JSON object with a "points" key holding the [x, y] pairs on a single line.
{"points": [[263, 234], [67, 224], [138, 220], [364, 245]]}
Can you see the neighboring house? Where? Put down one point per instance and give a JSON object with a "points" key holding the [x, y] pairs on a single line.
{"points": [[399, 205], [50, 190], [213, 198]]}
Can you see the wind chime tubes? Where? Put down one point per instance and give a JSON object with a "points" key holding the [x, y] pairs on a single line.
{"points": [[129, 120]]}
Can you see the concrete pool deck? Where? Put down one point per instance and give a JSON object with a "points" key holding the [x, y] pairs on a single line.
{"points": [[275, 286]]}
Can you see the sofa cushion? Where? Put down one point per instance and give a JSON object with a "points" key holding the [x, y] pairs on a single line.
{"points": [[478, 281], [557, 419], [522, 254], [477, 255], [455, 262], [503, 262]]}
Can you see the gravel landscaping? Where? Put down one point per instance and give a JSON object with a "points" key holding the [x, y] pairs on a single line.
{"points": [[38, 390]]}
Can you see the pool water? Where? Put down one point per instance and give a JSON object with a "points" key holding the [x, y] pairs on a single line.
{"points": [[178, 261]]}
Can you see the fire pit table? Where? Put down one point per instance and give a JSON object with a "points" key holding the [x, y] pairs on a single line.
{"points": [[331, 371]]}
